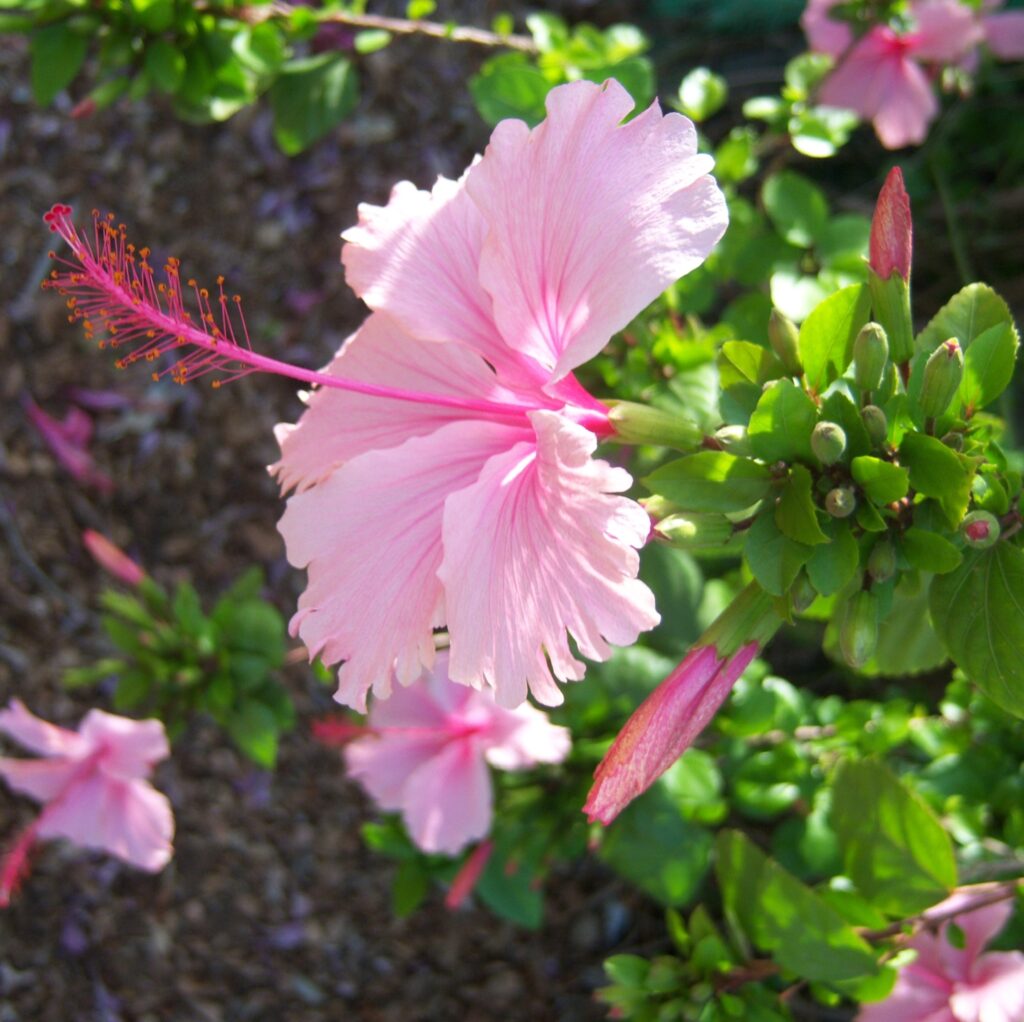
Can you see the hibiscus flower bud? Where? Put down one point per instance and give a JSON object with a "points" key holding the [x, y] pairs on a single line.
{"points": [[942, 375], [696, 532], [828, 442], [882, 562], [858, 628], [875, 423], [980, 529], [840, 502], [870, 354], [784, 338], [641, 424], [892, 232]]}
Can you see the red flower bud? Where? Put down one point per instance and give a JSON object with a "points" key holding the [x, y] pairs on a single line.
{"points": [[892, 231]]}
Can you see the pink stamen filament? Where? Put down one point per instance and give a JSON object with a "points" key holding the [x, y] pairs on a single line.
{"points": [[107, 283]]}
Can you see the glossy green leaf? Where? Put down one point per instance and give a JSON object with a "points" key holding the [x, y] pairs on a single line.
{"points": [[711, 481], [828, 333], [509, 86], [882, 481], [978, 610], [773, 557], [833, 565], [988, 366], [165, 65], [514, 896], [786, 918], [702, 93], [967, 315], [939, 472], [744, 361], [310, 98], [928, 551], [781, 426], [894, 847], [795, 513]]}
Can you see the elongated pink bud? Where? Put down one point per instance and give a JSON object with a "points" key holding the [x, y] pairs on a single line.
{"points": [[111, 558], [469, 875], [892, 233]]}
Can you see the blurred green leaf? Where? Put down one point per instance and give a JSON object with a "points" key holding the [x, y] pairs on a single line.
{"points": [[310, 98], [702, 93], [253, 728], [509, 86], [797, 207], [57, 54], [774, 558]]}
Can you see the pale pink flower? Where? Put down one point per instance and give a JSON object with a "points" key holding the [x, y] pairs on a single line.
{"points": [[825, 34], [111, 558], [946, 983], [663, 727], [68, 439], [92, 784], [477, 504], [1004, 30], [429, 752], [883, 76]]}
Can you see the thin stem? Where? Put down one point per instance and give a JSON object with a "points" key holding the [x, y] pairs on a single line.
{"points": [[398, 26]]}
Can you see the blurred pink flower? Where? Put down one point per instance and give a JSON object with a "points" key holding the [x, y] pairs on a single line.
{"points": [[946, 983], [1004, 31], [476, 502], [68, 439], [92, 784], [111, 558], [664, 727], [882, 75], [429, 753]]}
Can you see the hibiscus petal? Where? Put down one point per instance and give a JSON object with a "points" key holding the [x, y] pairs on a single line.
{"points": [[126, 818], [370, 536], [537, 547], [561, 278], [384, 764], [909, 108], [524, 737], [340, 425], [996, 992], [825, 34], [417, 260], [946, 30], [39, 736], [41, 779], [914, 998], [1004, 34], [131, 746], [448, 800]]}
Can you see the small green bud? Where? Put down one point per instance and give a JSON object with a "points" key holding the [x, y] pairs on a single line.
{"points": [[785, 342], [642, 424], [802, 593], [840, 502], [980, 529], [870, 354], [882, 562], [734, 440], [828, 441], [954, 440], [875, 423], [696, 532], [858, 628], [942, 375]]}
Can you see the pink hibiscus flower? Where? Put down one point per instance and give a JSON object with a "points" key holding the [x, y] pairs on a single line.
{"points": [[946, 983], [68, 439], [478, 505], [883, 76], [1004, 30], [428, 752], [92, 784]]}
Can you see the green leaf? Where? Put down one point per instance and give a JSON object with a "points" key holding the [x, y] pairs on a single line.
{"points": [[512, 896], [409, 887], [654, 847], [165, 65], [253, 728], [744, 361], [774, 559], [786, 918], [978, 610], [416, 10], [882, 481], [843, 243], [838, 408], [928, 551], [154, 16], [310, 98], [781, 426], [907, 643], [702, 93], [967, 315], [894, 848], [260, 48], [711, 481], [797, 208], [940, 472], [371, 40], [79, 677], [988, 366], [833, 565], [828, 333], [57, 54], [509, 86], [795, 513]]}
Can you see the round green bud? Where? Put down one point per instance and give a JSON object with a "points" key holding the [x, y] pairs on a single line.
{"points": [[858, 628], [875, 423], [942, 375], [870, 354], [882, 562], [802, 593], [828, 441], [954, 439], [784, 338], [840, 502], [980, 529]]}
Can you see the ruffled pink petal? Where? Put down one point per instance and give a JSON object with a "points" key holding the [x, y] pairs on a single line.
{"points": [[384, 764], [130, 747], [447, 800], [535, 548], [417, 259], [126, 818], [590, 219], [524, 737], [1004, 34], [41, 779], [911, 1000], [946, 30], [663, 727], [825, 34], [339, 425], [996, 991], [370, 536], [39, 736]]}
